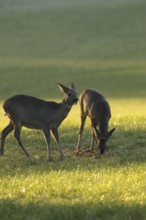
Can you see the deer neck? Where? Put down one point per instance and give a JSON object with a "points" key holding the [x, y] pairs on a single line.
{"points": [[66, 105], [103, 127]]}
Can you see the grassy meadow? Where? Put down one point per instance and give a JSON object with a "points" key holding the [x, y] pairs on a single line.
{"points": [[93, 43]]}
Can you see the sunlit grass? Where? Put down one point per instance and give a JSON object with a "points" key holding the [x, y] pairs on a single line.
{"points": [[122, 109], [91, 186], [78, 185]]}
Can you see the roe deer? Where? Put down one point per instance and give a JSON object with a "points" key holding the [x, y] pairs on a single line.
{"points": [[39, 114], [94, 105]]}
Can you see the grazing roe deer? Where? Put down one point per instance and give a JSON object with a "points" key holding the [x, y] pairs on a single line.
{"points": [[35, 113], [94, 105]]}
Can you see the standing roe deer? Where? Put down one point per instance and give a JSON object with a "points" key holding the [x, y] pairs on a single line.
{"points": [[94, 105], [35, 113]]}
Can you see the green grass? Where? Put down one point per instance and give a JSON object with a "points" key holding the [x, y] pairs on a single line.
{"points": [[99, 44]]}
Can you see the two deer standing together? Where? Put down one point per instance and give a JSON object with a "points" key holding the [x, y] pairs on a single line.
{"points": [[35, 113]]}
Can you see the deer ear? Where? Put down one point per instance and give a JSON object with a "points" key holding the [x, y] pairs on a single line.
{"points": [[72, 86], [63, 89], [110, 132]]}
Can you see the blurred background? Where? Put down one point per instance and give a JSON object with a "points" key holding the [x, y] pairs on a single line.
{"points": [[93, 43]]}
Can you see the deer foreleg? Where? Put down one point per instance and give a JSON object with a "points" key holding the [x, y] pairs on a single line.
{"points": [[48, 140], [56, 137], [94, 140]]}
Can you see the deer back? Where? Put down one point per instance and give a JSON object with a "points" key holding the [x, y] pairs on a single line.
{"points": [[94, 104]]}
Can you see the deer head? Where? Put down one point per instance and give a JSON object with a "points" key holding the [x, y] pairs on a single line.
{"points": [[70, 95], [102, 139]]}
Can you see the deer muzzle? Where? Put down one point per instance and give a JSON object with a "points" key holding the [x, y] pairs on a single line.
{"points": [[75, 100]]}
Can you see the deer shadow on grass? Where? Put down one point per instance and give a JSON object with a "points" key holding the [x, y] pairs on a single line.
{"points": [[43, 210]]}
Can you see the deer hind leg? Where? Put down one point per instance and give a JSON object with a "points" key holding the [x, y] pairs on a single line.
{"points": [[83, 119], [56, 137], [17, 131], [5, 132]]}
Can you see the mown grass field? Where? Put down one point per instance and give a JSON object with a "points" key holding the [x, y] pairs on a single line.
{"points": [[99, 44]]}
